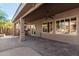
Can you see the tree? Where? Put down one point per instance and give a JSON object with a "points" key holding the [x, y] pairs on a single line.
{"points": [[8, 27], [2, 20], [5, 25]]}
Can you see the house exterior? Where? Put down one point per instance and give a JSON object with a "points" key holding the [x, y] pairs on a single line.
{"points": [[55, 21]]}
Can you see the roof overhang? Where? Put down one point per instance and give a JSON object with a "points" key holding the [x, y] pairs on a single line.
{"points": [[50, 10], [18, 11], [24, 9]]}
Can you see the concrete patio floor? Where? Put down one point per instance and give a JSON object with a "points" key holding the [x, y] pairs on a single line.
{"points": [[34, 46], [20, 51], [48, 47], [11, 46]]}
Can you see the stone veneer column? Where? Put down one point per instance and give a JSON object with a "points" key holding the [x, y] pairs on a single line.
{"points": [[54, 27], [22, 32], [14, 29]]}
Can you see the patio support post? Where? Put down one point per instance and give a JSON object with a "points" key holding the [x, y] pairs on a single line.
{"points": [[54, 26], [22, 32], [14, 29]]}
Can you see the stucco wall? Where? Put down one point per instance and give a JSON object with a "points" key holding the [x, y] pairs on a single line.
{"points": [[73, 39]]}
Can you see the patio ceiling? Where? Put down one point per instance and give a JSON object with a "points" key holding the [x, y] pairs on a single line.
{"points": [[50, 10], [26, 8]]}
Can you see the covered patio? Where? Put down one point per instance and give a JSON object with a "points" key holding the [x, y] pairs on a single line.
{"points": [[34, 46], [35, 15]]}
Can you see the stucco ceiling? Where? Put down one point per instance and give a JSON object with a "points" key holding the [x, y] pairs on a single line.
{"points": [[50, 9]]}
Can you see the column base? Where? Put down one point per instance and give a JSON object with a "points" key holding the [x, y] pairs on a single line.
{"points": [[22, 38]]}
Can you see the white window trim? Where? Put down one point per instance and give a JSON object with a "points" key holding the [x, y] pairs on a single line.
{"points": [[64, 19], [47, 22]]}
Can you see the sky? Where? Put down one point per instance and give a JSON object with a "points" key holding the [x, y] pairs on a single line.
{"points": [[9, 9]]}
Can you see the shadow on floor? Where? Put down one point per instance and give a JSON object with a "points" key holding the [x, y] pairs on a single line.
{"points": [[48, 47]]}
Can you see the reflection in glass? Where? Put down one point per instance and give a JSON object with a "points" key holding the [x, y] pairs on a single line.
{"points": [[60, 26], [73, 25], [67, 22], [45, 27]]}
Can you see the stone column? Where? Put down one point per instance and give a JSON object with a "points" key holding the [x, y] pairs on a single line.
{"points": [[54, 27], [14, 29], [22, 32]]}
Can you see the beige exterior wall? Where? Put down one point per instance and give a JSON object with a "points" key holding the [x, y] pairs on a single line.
{"points": [[73, 39]]}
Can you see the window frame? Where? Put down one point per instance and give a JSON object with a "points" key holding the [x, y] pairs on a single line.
{"points": [[48, 22], [46, 25], [69, 25]]}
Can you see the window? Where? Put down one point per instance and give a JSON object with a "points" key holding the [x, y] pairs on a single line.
{"points": [[60, 26], [66, 26], [50, 26], [33, 29], [47, 27], [73, 25]]}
